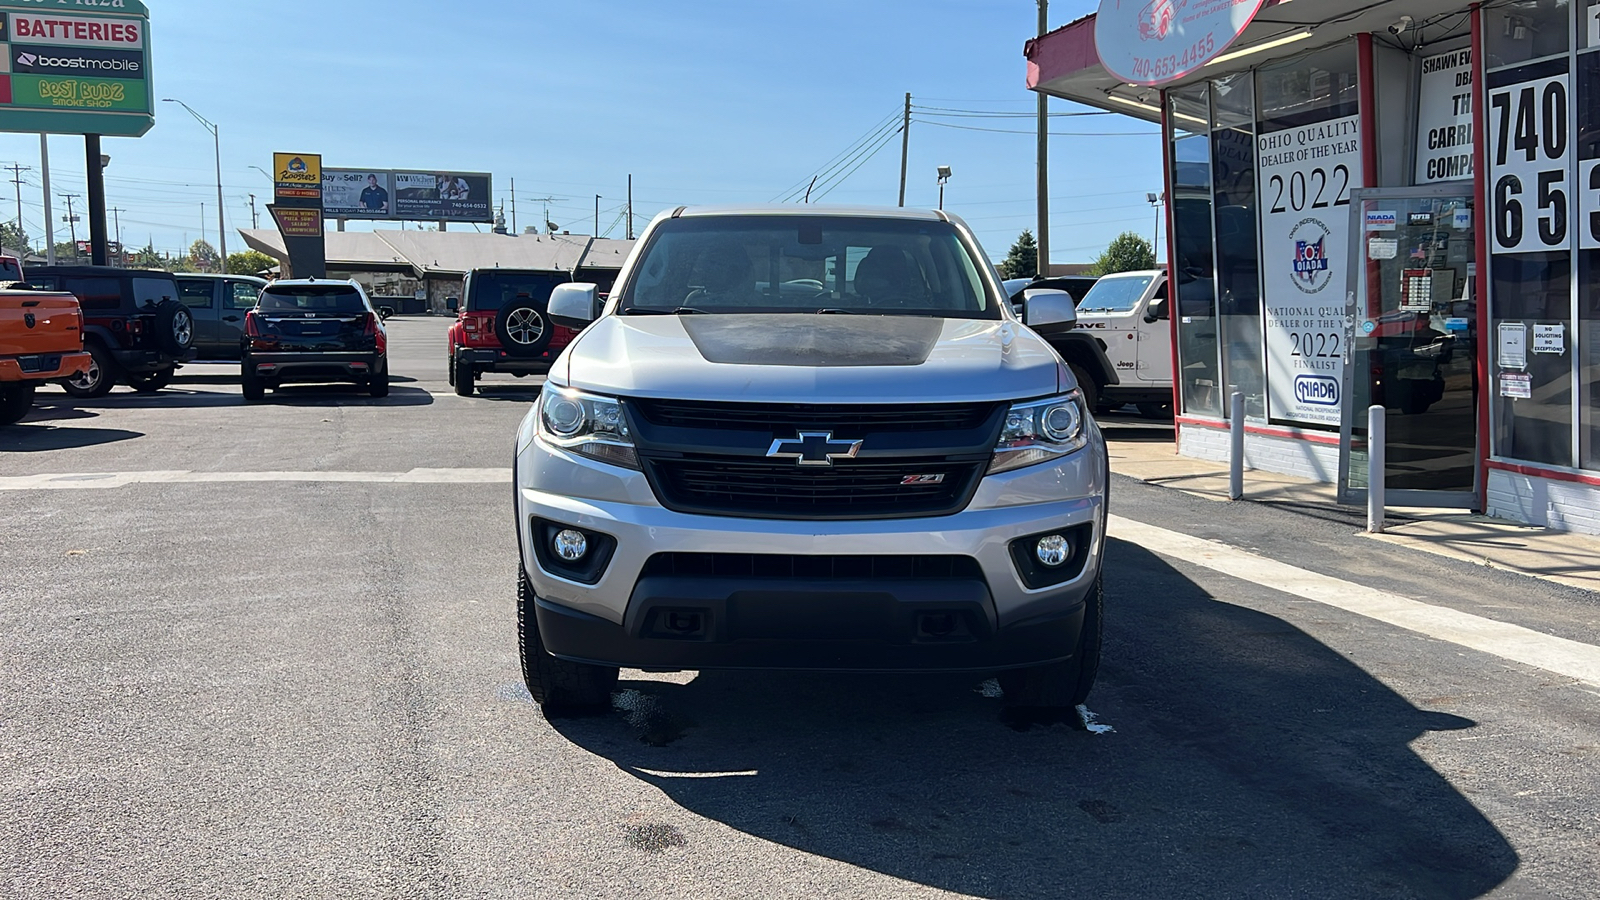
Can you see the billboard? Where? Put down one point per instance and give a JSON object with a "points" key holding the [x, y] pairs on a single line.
{"points": [[68, 72], [357, 194], [297, 175]]}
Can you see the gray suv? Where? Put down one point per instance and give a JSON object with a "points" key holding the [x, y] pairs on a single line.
{"points": [[812, 438]]}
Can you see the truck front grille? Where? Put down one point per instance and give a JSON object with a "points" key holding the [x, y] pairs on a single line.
{"points": [[850, 489]]}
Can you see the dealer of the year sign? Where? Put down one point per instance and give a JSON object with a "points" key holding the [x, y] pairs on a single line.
{"points": [[1305, 175]]}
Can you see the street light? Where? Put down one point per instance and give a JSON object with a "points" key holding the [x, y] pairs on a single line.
{"points": [[944, 175], [222, 224], [1155, 200], [264, 173]]}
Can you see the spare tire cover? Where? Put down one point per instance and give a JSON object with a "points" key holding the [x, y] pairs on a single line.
{"points": [[522, 327]]}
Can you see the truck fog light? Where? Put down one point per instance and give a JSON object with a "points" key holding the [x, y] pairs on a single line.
{"points": [[570, 545], [1052, 549]]}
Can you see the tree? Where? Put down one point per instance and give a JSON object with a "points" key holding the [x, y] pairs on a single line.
{"points": [[249, 262], [203, 256], [66, 251], [1023, 260], [1127, 252], [13, 237]]}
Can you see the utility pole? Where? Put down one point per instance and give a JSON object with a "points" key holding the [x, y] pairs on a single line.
{"points": [[49, 209], [16, 171], [255, 218], [122, 252], [514, 206], [1043, 188], [202, 221], [72, 223], [596, 215], [630, 208], [905, 145]]}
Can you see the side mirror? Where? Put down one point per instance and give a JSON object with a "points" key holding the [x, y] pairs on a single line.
{"points": [[573, 304], [452, 304], [1157, 311], [1048, 311], [384, 312]]}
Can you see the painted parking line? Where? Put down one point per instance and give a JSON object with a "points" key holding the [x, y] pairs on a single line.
{"points": [[1561, 656], [108, 480]]}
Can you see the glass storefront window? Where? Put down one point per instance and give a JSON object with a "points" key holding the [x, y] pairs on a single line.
{"points": [[1200, 385], [1309, 88], [1524, 30], [1233, 179], [1532, 399]]}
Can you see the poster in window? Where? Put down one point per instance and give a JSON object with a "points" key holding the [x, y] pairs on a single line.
{"points": [[1305, 175], [1444, 118], [1530, 209]]}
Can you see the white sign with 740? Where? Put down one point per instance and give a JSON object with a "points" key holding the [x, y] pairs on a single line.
{"points": [[1528, 149]]}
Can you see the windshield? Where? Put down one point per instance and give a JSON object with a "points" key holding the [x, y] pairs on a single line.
{"points": [[10, 269], [334, 298], [491, 290], [788, 264], [1115, 294]]}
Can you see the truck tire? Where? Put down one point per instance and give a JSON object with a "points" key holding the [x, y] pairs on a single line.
{"points": [[101, 377], [450, 366], [378, 381], [150, 382], [1062, 685], [557, 685], [174, 327], [16, 399], [522, 328], [254, 388], [464, 377], [1086, 384]]}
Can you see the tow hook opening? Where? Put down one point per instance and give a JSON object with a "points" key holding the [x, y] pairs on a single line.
{"points": [[690, 624], [943, 625]]}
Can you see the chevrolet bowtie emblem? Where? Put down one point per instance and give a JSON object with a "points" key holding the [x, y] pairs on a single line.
{"points": [[814, 448]]}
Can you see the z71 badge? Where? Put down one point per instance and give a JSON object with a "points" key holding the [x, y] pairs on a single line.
{"points": [[922, 479]]}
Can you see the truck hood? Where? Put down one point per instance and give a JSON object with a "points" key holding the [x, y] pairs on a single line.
{"points": [[811, 358]]}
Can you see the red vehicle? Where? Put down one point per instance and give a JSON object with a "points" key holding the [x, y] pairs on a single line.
{"points": [[502, 325]]}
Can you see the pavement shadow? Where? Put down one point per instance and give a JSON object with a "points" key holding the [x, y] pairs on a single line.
{"points": [[31, 437], [345, 395], [1248, 759], [513, 392]]}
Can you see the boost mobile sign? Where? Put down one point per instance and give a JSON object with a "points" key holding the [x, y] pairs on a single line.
{"points": [[1157, 41], [1305, 176]]}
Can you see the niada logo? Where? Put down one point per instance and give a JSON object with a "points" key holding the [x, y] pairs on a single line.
{"points": [[1316, 390], [1310, 267]]}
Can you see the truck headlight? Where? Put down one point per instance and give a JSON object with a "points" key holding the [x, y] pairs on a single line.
{"points": [[587, 425], [1041, 430]]}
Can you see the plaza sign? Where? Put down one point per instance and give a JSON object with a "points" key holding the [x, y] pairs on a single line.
{"points": [[75, 68], [1156, 41]]}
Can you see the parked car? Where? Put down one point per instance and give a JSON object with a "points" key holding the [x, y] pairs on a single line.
{"points": [[134, 326], [41, 339], [10, 271], [218, 303], [1076, 285], [870, 466], [1127, 313], [313, 330], [501, 326]]}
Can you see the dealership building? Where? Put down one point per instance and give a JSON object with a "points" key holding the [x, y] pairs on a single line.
{"points": [[1395, 204]]}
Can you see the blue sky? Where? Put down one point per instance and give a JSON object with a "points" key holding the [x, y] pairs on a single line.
{"points": [[703, 102]]}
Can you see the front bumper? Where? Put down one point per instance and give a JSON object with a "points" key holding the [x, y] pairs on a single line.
{"points": [[44, 366], [856, 624], [315, 366]]}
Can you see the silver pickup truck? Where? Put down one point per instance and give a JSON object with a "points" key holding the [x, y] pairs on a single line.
{"points": [[809, 438]]}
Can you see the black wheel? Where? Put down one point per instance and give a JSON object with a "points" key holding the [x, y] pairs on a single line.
{"points": [[521, 327], [557, 685], [254, 387], [1066, 684], [450, 366], [150, 382], [101, 377], [378, 383], [1091, 391], [464, 377], [16, 399], [174, 327], [1155, 410]]}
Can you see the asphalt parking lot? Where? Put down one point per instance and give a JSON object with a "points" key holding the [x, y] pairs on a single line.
{"points": [[270, 651]]}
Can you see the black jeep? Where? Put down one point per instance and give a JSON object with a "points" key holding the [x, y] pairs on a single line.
{"points": [[134, 325]]}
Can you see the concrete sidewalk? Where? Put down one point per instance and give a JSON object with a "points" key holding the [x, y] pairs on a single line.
{"points": [[1572, 559]]}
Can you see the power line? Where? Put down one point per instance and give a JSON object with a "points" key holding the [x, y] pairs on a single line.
{"points": [[843, 158], [887, 140], [1030, 131]]}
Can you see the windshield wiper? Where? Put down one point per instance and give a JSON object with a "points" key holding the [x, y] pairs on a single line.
{"points": [[657, 311]]}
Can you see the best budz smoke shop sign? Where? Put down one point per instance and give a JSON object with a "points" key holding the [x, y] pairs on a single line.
{"points": [[1157, 41], [75, 67]]}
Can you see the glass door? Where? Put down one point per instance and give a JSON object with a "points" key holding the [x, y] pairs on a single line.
{"points": [[1412, 345]]}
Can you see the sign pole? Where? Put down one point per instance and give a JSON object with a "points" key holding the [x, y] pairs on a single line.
{"points": [[49, 209], [99, 255]]}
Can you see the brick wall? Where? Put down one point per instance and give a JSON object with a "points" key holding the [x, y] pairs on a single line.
{"points": [[1559, 505], [1286, 456]]}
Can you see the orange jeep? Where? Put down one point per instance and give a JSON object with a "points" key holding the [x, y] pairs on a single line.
{"points": [[41, 339]]}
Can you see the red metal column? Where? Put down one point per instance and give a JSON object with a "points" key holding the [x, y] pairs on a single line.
{"points": [[1366, 89]]}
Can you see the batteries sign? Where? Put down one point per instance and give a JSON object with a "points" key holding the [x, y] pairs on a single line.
{"points": [[83, 69]]}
